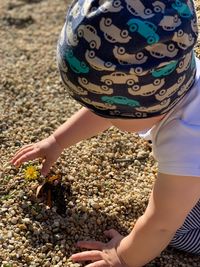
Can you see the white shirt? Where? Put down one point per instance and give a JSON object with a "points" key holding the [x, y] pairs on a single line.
{"points": [[176, 139]]}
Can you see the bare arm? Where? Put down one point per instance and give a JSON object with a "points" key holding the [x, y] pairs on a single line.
{"points": [[82, 125], [171, 200]]}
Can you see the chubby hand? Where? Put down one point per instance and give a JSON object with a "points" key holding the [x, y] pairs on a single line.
{"points": [[47, 149], [101, 254]]}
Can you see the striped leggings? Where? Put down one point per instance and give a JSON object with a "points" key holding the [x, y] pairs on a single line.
{"points": [[187, 237]]}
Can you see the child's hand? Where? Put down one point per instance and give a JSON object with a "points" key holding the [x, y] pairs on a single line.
{"points": [[102, 254], [47, 149]]}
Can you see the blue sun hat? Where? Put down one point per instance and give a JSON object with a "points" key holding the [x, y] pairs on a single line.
{"points": [[128, 59]]}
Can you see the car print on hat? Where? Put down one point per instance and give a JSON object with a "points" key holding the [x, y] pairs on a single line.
{"points": [[121, 100], [145, 29], [75, 64], [164, 71], [112, 33], [128, 59], [182, 8]]}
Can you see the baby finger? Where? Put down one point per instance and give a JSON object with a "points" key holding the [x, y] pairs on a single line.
{"points": [[23, 148], [29, 155], [93, 255], [21, 152], [101, 263]]}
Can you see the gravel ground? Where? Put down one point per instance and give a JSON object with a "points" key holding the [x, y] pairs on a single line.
{"points": [[108, 178]]}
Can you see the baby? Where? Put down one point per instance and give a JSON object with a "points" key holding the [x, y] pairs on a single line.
{"points": [[131, 64]]}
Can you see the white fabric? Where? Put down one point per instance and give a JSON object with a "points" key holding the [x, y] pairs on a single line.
{"points": [[176, 139]]}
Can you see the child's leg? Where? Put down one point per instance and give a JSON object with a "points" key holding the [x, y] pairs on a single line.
{"points": [[187, 237]]}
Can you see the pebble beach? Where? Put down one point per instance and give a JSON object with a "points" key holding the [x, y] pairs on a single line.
{"points": [[107, 180]]}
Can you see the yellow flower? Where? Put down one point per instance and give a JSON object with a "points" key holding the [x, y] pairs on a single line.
{"points": [[31, 173]]}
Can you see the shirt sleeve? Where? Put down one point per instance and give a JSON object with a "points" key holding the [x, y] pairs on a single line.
{"points": [[177, 148]]}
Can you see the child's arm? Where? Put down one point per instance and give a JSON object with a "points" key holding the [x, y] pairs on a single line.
{"points": [[171, 200], [82, 125]]}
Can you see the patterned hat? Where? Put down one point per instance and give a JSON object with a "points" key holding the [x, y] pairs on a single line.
{"points": [[128, 58]]}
